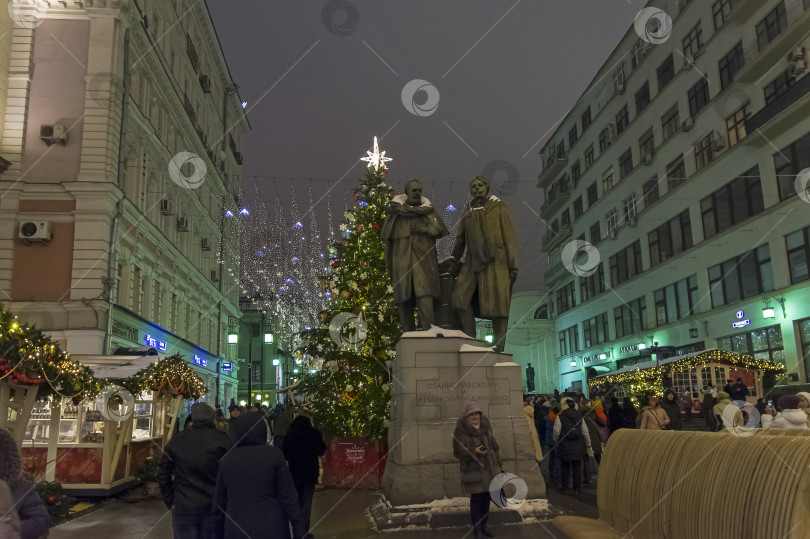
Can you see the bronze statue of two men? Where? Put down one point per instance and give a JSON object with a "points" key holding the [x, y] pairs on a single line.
{"points": [[486, 241]]}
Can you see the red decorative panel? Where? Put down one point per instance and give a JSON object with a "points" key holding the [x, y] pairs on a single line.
{"points": [[354, 463], [35, 459], [78, 465], [140, 451]]}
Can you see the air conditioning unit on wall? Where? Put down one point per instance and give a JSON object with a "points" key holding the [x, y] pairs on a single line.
{"points": [[35, 231], [52, 133]]}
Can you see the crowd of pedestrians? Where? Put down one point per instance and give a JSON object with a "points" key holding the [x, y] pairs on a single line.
{"points": [[222, 478]]}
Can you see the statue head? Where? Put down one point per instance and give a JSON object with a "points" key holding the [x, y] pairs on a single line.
{"points": [[413, 190], [479, 187]]}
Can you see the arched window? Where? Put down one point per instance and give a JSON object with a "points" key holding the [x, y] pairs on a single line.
{"points": [[541, 313]]}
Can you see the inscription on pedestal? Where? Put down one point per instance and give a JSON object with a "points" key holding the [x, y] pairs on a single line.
{"points": [[441, 392]]}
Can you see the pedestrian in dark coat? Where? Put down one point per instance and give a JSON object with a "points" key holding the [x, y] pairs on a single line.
{"points": [[707, 405], [739, 391], [280, 424], [594, 423], [629, 413], [302, 447], [255, 488], [615, 416], [673, 409], [478, 453], [187, 474], [569, 433], [34, 520]]}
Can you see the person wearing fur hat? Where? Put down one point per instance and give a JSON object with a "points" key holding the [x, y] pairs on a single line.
{"points": [[187, 474], [790, 415], [478, 453], [804, 404], [20, 503]]}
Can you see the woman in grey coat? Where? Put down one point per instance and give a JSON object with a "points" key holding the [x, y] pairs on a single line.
{"points": [[479, 458]]}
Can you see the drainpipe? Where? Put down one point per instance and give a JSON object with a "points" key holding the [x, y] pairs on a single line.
{"points": [[111, 254]]}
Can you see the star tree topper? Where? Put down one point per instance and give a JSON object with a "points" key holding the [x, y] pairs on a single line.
{"points": [[376, 159]]}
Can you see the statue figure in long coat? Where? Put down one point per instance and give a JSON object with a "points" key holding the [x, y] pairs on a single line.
{"points": [[410, 231], [484, 284]]}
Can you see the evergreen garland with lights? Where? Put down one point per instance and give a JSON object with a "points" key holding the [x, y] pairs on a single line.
{"points": [[350, 389]]}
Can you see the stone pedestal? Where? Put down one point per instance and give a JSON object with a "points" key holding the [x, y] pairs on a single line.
{"points": [[435, 374]]}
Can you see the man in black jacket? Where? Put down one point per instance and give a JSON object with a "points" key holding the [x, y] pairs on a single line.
{"points": [[187, 474], [303, 445]]}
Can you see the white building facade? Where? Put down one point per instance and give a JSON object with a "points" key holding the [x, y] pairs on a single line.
{"points": [[122, 129], [678, 211]]}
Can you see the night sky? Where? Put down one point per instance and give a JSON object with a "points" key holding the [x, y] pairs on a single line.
{"points": [[322, 78]]}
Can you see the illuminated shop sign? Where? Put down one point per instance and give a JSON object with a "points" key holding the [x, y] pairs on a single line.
{"points": [[227, 367], [741, 323], [200, 361], [154, 343]]}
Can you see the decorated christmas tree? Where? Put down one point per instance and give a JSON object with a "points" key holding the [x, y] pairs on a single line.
{"points": [[352, 349]]}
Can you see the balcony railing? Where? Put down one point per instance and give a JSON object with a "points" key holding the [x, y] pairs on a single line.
{"points": [[793, 95], [552, 239], [192, 54], [558, 194], [553, 165]]}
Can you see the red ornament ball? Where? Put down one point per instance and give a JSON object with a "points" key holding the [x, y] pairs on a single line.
{"points": [[335, 264]]}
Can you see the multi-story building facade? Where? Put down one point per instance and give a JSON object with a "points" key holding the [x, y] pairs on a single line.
{"points": [[122, 129], [682, 166]]}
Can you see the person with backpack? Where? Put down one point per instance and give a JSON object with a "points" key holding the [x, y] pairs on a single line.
{"points": [[573, 441], [653, 417], [22, 513]]}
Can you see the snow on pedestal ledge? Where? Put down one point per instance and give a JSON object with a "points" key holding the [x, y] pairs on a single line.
{"points": [[436, 331]]}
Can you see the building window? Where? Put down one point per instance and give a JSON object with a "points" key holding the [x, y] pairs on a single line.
{"points": [[589, 156], [630, 208], [612, 221], [732, 204], [607, 180], [569, 340], [578, 208], [804, 333], [586, 119], [720, 10], [772, 25], [618, 79], [693, 41], [596, 235], [572, 136], [638, 52], [765, 343], [735, 125], [136, 290], [676, 173], [593, 284], [642, 98], [622, 119], [576, 173], [631, 317], [798, 254], [730, 64], [646, 146], [626, 163], [789, 163], [595, 330], [698, 96], [666, 72], [565, 219], [671, 122], [670, 239], [778, 87], [650, 192], [592, 195], [625, 264], [703, 152], [676, 301], [605, 139], [741, 277], [566, 299]]}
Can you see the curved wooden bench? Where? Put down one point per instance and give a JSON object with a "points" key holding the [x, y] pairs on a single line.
{"points": [[687, 485]]}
